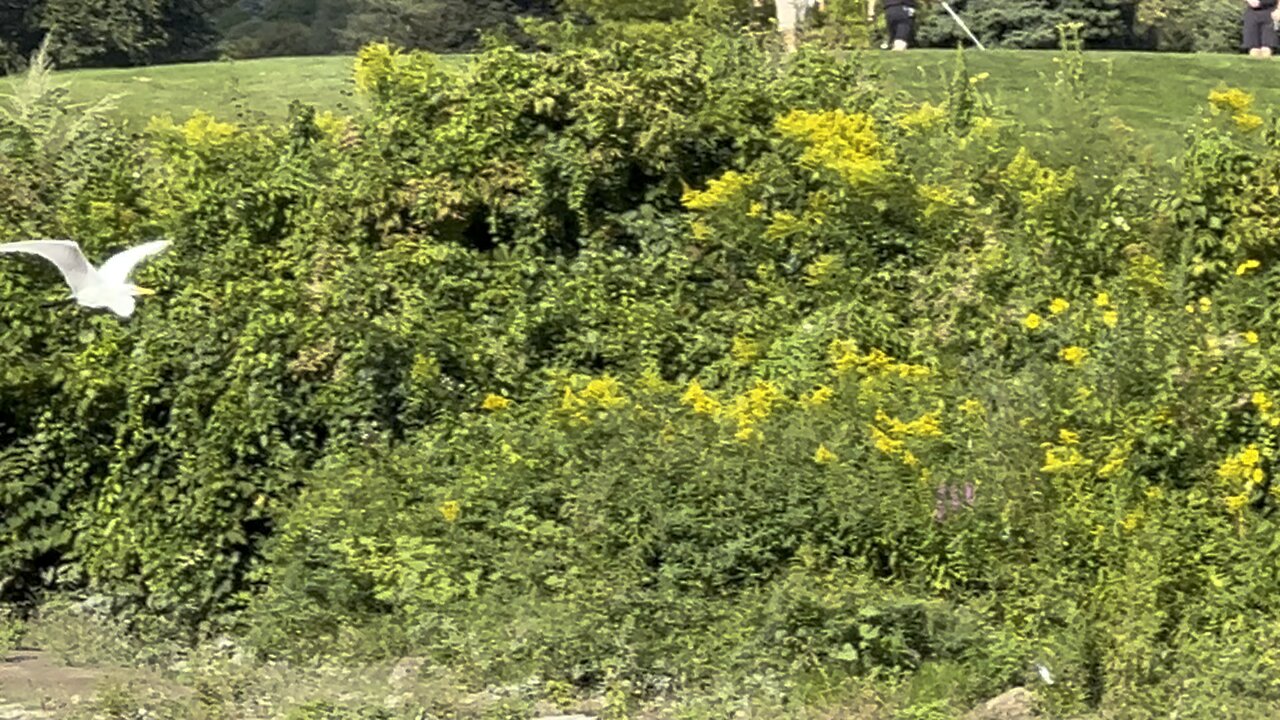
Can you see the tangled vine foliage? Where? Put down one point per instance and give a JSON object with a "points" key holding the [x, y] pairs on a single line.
{"points": [[656, 358]]}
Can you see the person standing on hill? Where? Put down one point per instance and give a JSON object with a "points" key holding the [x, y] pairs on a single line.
{"points": [[1260, 37], [900, 20]]}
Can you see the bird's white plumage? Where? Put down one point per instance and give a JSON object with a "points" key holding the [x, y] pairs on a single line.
{"points": [[105, 287], [65, 254], [117, 267]]}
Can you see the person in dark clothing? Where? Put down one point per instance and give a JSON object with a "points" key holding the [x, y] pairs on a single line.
{"points": [[900, 20], [1260, 37]]}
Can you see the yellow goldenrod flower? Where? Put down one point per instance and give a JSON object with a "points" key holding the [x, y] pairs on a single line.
{"points": [[1110, 318], [820, 396], [1103, 300], [1057, 459], [824, 456], [701, 402], [604, 392], [1247, 122], [1131, 520], [495, 402], [1111, 467], [719, 191], [1261, 401], [884, 443], [1236, 503], [450, 510], [570, 400], [1032, 321], [1247, 265], [1074, 354], [1251, 337], [1250, 456], [846, 143], [1059, 306], [1234, 99]]}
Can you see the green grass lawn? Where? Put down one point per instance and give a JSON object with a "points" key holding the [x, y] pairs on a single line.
{"points": [[224, 89], [1157, 94]]}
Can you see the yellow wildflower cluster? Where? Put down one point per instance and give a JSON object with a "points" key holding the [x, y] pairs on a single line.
{"points": [[1103, 300], [927, 425], [1247, 122], [753, 406], [1110, 318], [335, 127], [701, 401], [1116, 459], [200, 129], [1074, 354], [1059, 306], [600, 394], [846, 143], [940, 198], [1246, 266], [720, 191], [450, 510], [1263, 403], [1037, 185], [1062, 458], [922, 118], [782, 224], [1032, 321], [845, 356], [604, 392], [821, 395], [1231, 99], [1241, 474], [889, 434], [1237, 102], [823, 456], [495, 402]]}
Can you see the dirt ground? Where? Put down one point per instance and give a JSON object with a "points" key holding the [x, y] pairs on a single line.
{"points": [[36, 685]]}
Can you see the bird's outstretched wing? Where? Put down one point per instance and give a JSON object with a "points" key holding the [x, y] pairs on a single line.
{"points": [[65, 254], [117, 268]]}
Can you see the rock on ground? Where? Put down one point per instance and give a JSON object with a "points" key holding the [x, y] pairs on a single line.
{"points": [[1016, 704]]}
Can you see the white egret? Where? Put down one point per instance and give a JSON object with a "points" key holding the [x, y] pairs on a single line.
{"points": [[104, 287]]}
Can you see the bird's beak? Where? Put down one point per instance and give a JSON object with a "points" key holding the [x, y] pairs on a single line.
{"points": [[143, 291]]}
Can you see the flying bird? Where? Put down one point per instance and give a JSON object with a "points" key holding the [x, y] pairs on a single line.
{"points": [[104, 287]]}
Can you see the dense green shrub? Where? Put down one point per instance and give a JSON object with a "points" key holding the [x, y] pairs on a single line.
{"points": [[644, 360]]}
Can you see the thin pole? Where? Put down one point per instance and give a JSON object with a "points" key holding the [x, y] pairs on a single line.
{"points": [[954, 16]]}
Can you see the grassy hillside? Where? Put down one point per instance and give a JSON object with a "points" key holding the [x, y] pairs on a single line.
{"points": [[1157, 94]]}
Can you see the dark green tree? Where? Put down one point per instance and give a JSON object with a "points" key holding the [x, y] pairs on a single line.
{"points": [[1033, 23], [18, 33], [439, 25]]}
